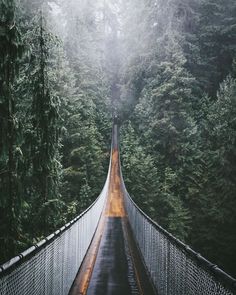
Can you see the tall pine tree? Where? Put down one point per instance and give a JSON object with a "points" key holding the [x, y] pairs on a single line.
{"points": [[10, 152]]}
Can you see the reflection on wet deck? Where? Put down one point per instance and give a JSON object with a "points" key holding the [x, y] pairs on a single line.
{"points": [[112, 265]]}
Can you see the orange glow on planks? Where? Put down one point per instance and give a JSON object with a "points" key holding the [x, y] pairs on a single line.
{"points": [[115, 205], [81, 283], [114, 208]]}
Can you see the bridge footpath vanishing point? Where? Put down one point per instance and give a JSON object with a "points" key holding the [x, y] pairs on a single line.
{"points": [[112, 248]]}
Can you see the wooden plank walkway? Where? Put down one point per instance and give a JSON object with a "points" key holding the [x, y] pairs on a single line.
{"points": [[112, 265]]}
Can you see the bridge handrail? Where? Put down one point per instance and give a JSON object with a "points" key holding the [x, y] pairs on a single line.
{"points": [[50, 266], [25, 255], [227, 282]]}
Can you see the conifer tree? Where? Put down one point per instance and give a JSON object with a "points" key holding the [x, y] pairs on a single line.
{"points": [[45, 128], [10, 152]]}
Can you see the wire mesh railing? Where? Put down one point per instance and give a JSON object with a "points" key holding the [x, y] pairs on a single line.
{"points": [[173, 267], [50, 267]]}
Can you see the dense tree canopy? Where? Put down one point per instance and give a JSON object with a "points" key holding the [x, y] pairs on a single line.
{"points": [[179, 91], [168, 68]]}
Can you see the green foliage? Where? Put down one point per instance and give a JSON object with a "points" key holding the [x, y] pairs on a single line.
{"points": [[60, 117], [10, 153], [214, 196], [151, 190], [176, 54], [166, 67], [84, 156], [139, 171]]}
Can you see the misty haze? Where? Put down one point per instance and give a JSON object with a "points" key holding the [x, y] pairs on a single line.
{"points": [[117, 147]]}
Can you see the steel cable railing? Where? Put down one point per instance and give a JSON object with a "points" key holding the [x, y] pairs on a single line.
{"points": [[173, 267], [50, 267]]}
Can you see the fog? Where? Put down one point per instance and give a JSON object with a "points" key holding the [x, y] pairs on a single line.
{"points": [[108, 37], [91, 31]]}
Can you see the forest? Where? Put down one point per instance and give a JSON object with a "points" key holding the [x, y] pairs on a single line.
{"points": [[167, 68]]}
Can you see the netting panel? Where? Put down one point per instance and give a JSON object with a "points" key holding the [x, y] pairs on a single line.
{"points": [[52, 270], [172, 270]]}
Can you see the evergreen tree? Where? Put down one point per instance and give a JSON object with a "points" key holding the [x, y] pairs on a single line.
{"points": [[212, 201], [139, 171], [10, 152], [45, 129]]}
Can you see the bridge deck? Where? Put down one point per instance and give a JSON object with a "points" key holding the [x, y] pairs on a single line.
{"points": [[112, 264]]}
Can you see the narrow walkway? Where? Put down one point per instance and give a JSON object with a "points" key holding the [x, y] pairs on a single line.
{"points": [[114, 271], [112, 265]]}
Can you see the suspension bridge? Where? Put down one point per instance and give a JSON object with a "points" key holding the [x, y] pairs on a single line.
{"points": [[112, 248]]}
